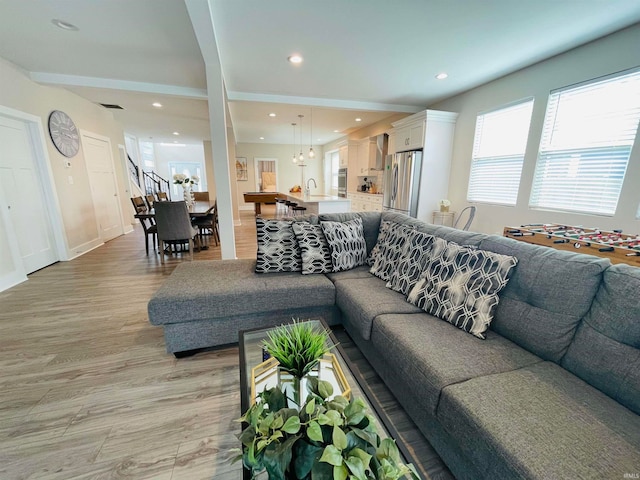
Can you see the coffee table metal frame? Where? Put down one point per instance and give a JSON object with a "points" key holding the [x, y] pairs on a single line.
{"points": [[388, 429]]}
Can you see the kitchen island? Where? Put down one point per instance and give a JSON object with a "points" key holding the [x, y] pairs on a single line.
{"points": [[317, 204]]}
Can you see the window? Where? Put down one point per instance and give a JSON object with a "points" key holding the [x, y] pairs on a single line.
{"points": [[498, 152], [586, 141], [147, 154]]}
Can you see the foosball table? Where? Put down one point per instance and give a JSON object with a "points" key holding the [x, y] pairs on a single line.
{"points": [[616, 246]]}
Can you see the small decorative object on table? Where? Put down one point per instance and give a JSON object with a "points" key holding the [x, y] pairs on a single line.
{"points": [[444, 205], [186, 182], [298, 348], [325, 439]]}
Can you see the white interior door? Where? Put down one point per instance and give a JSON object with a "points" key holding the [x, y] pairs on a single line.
{"points": [[97, 153], [23, 193]]}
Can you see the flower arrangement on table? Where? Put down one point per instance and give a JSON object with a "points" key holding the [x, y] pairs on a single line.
{"points": [[444, 205], [186, 181]]}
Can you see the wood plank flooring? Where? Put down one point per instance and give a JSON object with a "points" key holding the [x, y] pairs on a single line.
{"points": [[87, 390]]}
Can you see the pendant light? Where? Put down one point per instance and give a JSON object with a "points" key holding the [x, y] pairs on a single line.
{"points": [[312, 154], [294, 159], [301, 156]]}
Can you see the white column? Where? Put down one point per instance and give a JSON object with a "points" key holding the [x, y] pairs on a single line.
{"points": [[201, 19]]}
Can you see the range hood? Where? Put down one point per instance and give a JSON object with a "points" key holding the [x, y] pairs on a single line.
{"points": [[381, 147]]}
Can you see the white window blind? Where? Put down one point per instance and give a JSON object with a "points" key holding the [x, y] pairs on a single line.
{"points": [[588, 134], [498, 152]]}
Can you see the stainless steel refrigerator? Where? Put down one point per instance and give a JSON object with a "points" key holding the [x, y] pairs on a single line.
{"points": [[402, 182]]}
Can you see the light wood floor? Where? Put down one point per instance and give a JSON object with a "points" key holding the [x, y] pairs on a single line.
{"points": [[87, 390]]}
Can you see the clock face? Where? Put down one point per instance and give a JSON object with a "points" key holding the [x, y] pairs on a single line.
{"points": [[64, 133]]}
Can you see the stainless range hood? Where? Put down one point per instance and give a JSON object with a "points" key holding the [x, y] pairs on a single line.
{"points": [[381, 147]]}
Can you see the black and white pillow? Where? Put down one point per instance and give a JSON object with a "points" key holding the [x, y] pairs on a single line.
{"points": [[347, 243], [382, 232], [391, 241], [315, 251], [278, 249], [461, 285], [413, 261]]}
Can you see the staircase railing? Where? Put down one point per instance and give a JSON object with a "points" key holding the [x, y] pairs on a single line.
{"points": [[154, 183], [134, 171]]}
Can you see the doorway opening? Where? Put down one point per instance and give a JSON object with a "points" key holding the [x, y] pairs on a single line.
{"points": [[266, 174]]}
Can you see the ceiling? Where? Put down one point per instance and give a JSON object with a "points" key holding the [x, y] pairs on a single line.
{"points": [[362, 58]]}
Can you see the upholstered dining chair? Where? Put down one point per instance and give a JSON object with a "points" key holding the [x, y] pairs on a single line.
{"points": [[162, 196], [148, 224], [208, 223], [174, 226], [201, 196], [150, 199]]}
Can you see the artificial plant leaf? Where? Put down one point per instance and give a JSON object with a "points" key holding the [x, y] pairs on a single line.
{"points": [[325, 389], [292, 425], [362, 455], [311, 406], [276, 399], [388, 449], [277, 457], [331, 455], [340, 473], [277, 422], [322, 471], [334, 418], [368, 436], [356, 467], [314, 432], [304, 457], [247, 435], [339, 438]]}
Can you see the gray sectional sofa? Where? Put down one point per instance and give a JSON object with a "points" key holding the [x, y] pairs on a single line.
{"points": [[552, 393]]}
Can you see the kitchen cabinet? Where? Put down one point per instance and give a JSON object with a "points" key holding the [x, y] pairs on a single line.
{"points": [[432, 132], [365, 202], [368, 157], [343, 156]]}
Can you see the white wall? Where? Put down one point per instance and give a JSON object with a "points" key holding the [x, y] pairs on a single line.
{"points": [[75, 200], [611, 54], [289, 174]]}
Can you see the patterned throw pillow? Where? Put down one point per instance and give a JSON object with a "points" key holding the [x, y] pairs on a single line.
{"points": [[461, 285], [347, 243], [391, 242], [278, 249], [413, 261], [382, 232], [316, 254]]}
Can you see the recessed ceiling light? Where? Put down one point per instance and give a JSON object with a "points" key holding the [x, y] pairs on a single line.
{"points": [[64, 25], [295, 58], [157, 104], [176, 133], [336, 131], [272, 114], [442, 76], [261, 138], [358, 119]]}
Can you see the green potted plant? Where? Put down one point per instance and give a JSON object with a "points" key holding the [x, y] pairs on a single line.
{"points": [[325, 440], [298, 347]]}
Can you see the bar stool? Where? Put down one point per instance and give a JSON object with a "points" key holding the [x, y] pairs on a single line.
{"points": [[280, 207], [297, 210], [290, 206]]}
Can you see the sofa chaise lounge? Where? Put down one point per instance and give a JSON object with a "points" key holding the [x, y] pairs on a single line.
{"points": [[553, 391]]}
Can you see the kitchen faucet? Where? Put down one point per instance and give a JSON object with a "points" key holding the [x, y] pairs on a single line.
{"points": [[307, 190]]}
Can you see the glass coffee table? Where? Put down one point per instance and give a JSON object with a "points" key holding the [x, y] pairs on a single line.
{"points": [[251, 355]]}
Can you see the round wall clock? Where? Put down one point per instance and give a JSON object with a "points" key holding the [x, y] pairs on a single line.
{"points": [[64, 133]]}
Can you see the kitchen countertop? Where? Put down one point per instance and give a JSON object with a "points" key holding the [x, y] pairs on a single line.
{"points": [[368, 193], [316, 198]]}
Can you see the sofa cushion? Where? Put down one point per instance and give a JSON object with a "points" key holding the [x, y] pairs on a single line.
{"points": [[358, 272], [429, 354], [370, 223], [363, 299], [347, 243], [412, 262], [606, 349], [461, 285], [389, 248], [547, 295], [278, 249], [218, 288], [314, 249], [541, 422]]}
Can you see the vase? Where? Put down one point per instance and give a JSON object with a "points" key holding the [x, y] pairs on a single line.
{"points": [[294, 388], [187, 195], [444, 208]]}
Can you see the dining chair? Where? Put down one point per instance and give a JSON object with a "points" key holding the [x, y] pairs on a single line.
{"points": [[162, 196], [201, 196], [208, 223], [150, 199], [148, 224], [174, 226]]}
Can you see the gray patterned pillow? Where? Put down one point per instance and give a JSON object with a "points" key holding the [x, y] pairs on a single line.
{"points": [[391, 241], [382, 232], [461, 285], [413, 261], [316, 254], [347, 243], [278, 249]]}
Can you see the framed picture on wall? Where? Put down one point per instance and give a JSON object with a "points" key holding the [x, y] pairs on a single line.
{"points": [[241, 169]]}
